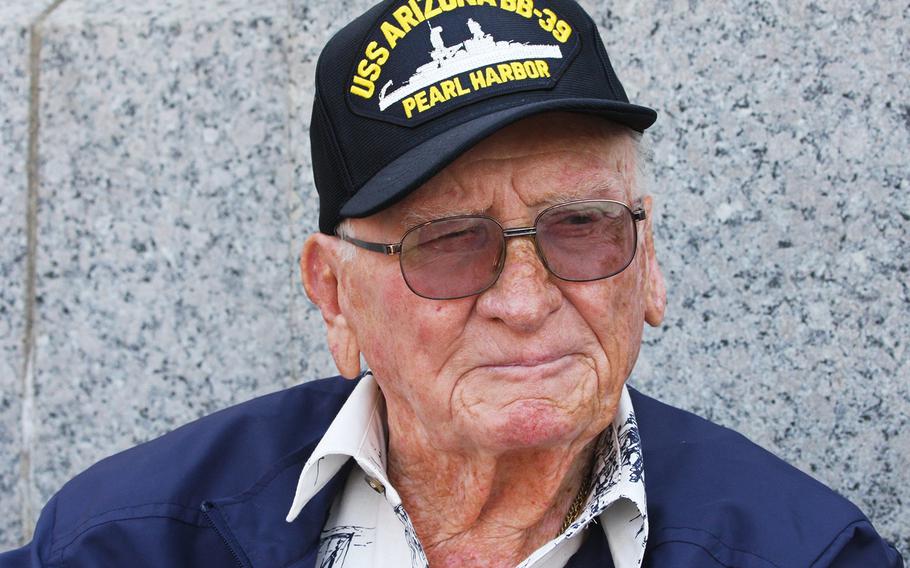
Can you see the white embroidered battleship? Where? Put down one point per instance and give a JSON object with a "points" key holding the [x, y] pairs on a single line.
{"points": [[447, 61]]}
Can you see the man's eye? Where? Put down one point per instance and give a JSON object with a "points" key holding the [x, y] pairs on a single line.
{"points": [[462, 234], [579, 219], [468, 237], [574, 221]]}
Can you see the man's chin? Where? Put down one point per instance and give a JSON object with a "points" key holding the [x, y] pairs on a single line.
{"points": [[528, 424]]}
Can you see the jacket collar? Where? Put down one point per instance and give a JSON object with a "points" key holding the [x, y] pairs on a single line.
{"points": [[253, 525]]}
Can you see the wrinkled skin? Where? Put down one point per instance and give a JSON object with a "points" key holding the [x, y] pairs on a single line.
{"points": [[494, 400]]}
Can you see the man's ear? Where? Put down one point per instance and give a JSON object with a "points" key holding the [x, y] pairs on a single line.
{"points": [[320, 266], [655, 288]]}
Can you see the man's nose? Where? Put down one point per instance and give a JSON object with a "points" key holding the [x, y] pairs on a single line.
{"points": [[524, 295]]}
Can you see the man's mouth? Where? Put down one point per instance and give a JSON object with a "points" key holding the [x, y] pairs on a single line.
{"points": [[522, 365]]}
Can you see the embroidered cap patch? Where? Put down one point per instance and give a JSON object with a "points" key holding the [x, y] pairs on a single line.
{"points": [[424, 58]]}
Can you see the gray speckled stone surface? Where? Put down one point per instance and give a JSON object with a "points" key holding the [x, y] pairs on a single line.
{"points": [[164, 281], [310, 25], [782, 179], [176, 192]]}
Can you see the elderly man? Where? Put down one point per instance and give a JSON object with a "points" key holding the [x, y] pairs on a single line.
{"points": [[486, 247]]}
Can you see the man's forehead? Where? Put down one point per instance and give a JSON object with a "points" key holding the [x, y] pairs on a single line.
{"points": [[587, 157], [540, 180]]}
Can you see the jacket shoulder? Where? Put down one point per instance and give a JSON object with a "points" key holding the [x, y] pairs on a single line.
{"points": [[711, 487], [219, 455]]}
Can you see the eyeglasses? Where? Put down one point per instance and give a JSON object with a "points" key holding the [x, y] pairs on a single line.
{"points": [[460, 256]]}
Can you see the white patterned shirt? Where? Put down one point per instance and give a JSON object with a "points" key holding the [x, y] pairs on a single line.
{"points": [[368, 526]]}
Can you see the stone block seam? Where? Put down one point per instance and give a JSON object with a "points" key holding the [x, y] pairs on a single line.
{"points": [[27, 514]]}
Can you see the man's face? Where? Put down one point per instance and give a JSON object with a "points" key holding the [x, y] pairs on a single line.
{"points": [[533, 361]]}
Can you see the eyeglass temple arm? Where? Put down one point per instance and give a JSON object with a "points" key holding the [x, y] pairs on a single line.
{"points": [[638, 214], [384, 248]]}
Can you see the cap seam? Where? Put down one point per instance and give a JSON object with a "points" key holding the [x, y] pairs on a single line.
{"points": [[619, 93], [336, 147]]}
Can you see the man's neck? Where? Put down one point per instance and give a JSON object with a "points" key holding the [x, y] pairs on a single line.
{"points": [[482, 509]]}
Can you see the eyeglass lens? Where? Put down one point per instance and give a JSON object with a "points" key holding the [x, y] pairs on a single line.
{"points": [[461, 256]]}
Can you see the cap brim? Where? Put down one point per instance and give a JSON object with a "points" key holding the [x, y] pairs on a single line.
{"points": [[402, 176]]}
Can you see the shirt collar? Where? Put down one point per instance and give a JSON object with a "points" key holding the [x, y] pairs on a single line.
{"points": [[358, 432], [617, 498]]}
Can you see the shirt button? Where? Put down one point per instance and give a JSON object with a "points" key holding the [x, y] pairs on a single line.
{"points": [[376, 485]]}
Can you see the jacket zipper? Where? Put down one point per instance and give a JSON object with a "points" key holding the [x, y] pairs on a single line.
{"points": [[210, 512]]}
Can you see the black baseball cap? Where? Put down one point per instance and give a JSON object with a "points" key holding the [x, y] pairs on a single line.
{"points": [[410, 85]]}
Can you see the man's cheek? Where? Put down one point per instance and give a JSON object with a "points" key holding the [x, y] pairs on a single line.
{"points": [[393, 299], [426, 332]]}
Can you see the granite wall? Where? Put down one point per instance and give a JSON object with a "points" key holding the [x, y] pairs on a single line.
{"points": [[148, 259]]}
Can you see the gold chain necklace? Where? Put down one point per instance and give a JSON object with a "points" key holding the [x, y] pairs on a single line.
{"points": [[578, 503]]}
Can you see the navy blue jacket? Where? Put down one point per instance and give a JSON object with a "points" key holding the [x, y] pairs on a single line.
{"points": [[215, 493]]}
